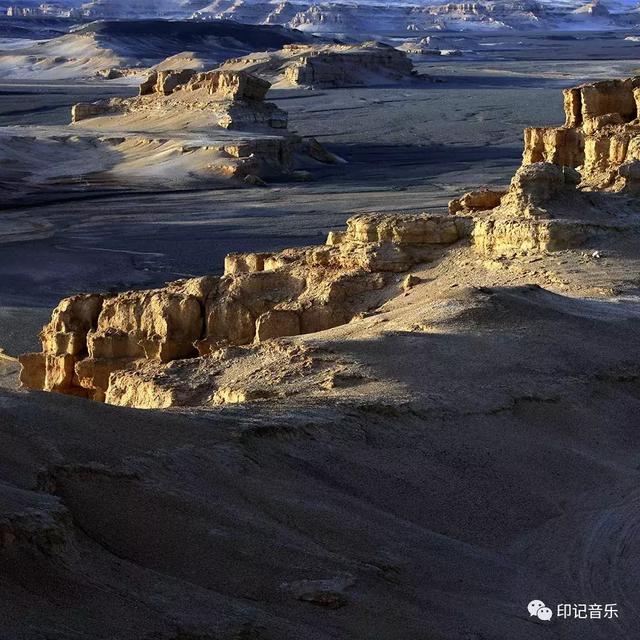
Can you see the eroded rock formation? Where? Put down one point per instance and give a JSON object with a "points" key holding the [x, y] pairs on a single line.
{"points": [[328, 66], [236, 99], [346, 66], [600, 137], [235, 132], [190, 342], [93, 339], [544, 210]]}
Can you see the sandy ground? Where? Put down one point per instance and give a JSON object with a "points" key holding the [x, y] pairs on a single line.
{"points": [[496, 465]]}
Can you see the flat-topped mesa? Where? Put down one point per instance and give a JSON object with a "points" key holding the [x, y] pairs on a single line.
{"points": [[600, 137], [328, 65], [347, 65], [93, 340], [236, 98]]}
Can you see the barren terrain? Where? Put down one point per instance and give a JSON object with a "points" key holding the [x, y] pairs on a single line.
{"points": [[408, 429]]}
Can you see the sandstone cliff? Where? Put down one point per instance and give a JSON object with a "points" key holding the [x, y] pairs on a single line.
{"points": [[194, 341], [600, 137], [93, 340]]}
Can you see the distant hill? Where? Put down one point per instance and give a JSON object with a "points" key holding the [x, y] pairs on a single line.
{"points": [[139, 44], [371, 19]]}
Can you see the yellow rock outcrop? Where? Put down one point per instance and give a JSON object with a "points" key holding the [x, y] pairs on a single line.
{"points": [[172, 346], [95, 343], [600, 137]]}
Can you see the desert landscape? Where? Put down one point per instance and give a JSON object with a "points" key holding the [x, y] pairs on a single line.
{"points": [[319, 321]]}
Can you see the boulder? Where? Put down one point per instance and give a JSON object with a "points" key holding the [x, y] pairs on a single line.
{"points": [[478, 200]]}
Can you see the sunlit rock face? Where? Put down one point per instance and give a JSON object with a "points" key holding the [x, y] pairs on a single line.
{"points": [[600, 137], [174, 346], [93, 340]]}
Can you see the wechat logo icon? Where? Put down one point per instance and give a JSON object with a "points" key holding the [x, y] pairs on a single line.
{"points": [[539, 609]]}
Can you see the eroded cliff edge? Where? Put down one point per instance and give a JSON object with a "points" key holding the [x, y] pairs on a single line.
{"points": [[464, 440], [193, 342]]}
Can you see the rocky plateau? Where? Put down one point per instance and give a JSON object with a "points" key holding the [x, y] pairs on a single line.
{"points": [[329, 65], [252, 333]]}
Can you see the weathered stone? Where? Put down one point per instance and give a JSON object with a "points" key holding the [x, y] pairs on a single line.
{"points": [[316, 151], [111, 74], [254, 180], [129, 389], [238, 396], [85, 110], [479, 200], [70, 322], [235, 263], [93, 374], [148, 85], [168, 81], [335, 238], [59, 375], [276, 324], [511, 237], [601, 126], [419, 229], [225, 85], [409, 282], [344, 65], [535, 184], [33, 371]]}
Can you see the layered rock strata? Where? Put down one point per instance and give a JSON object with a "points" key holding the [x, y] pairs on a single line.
{"points": [[92, 338], [328, 66], [600, 137]]}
